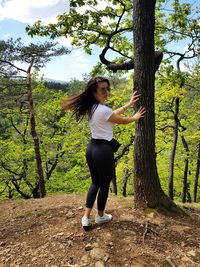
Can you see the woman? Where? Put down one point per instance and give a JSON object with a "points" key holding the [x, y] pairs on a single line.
{"points": [[99, 154]]}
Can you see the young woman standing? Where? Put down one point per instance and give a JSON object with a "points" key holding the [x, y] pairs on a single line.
{"points": [[100, 150]]}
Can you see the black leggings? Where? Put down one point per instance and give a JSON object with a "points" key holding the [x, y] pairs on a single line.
{"points": [[100, 159]]}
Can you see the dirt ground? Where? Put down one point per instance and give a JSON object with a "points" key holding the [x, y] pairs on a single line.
{"points": [[47, 233]]}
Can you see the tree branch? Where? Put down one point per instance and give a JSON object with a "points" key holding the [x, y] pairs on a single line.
{"points": [[9, 170], [165, 127], [125, 149], [12, 65], [127, 65]]}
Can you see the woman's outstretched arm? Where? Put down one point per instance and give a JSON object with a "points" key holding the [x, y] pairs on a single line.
{"points": [[116, 118], [134, 98]]}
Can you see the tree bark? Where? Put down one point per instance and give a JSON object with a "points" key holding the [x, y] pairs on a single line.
{"points": [[173, 151], [126, 176], [114, 185], [35, 138], [196, 178], [117, 158], [148, 192], [185, 183]]}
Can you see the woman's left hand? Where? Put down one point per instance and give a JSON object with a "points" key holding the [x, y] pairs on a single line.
{"points": [[134, 98]]}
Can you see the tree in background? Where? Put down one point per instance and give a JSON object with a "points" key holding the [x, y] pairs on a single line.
{"points": [[177, 115], [12, 53]]}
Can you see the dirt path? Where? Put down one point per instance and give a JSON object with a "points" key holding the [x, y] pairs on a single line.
{"points": [[48, 233]]}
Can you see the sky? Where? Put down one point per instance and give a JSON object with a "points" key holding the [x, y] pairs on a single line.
{"points": [[15, 15]]}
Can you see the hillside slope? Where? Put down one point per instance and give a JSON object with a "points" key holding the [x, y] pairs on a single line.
{"points": [[47, 233]]}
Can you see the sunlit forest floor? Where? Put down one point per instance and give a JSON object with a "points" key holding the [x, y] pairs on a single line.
{"points": [[47, 232]]}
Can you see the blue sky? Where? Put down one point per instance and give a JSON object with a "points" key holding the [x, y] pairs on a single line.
{"points": [[15, 15]]}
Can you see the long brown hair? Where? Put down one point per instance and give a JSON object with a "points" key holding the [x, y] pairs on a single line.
{"points": [[84, 104]]}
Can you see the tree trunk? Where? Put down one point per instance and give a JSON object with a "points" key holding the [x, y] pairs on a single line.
{"points": [[35, 138], [173, 151], [148, 192], [185, 183], [196, 178], [114, 185], [126, 175]]}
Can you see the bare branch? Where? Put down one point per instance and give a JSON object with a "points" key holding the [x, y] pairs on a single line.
{"points": [[12, 65], [165, 127], [8, 169]]}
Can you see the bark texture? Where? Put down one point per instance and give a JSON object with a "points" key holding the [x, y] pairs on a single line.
{"points": [[185, 177], [196, 178], [148, 192], [35, 137], [173, 150]]}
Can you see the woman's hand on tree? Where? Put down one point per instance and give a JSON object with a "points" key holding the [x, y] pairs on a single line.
{"points": [[139, 114], [134, 98]]}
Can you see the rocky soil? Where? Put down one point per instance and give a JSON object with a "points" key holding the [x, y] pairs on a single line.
{"points": [[47, 233]]}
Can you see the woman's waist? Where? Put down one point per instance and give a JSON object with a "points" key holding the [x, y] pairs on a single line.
{"points": [[98, 141], [112, 143]]}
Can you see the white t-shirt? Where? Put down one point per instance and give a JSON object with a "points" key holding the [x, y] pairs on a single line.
{"points": [[100, 127]]}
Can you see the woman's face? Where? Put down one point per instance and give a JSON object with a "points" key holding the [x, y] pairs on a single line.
{"points": [[102, 92]]}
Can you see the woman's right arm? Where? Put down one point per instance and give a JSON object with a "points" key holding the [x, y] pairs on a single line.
{"points": [[133, 100], [115, 118]]}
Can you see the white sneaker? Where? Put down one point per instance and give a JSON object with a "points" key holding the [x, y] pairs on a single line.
{"points": [[86, 223], [103, 219]]}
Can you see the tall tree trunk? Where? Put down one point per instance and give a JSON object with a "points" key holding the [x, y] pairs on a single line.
{"points": [[185, 183], [147, 187], [35, 138], [196, 178], [173, 151]]}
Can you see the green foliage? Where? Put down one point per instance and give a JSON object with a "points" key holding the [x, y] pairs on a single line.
{"points": [[175, 21], [65, 141], [167, 89], [56, 85]]}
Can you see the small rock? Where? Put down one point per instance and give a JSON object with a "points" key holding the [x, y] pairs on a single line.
{"points": [[88, 247], [110, 244], [106, 258], [69, 214], [99, 264], [151, 215], [85, 258], [70, 243], [191, 253], [34, 258], [182, 244], [95, 245], [98, 253], [185, 258]]}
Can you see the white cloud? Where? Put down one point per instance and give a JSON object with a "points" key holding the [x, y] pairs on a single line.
{"points": [[101, 5], [6, 36], [64, 41], [29, 11], [79, 60]]}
